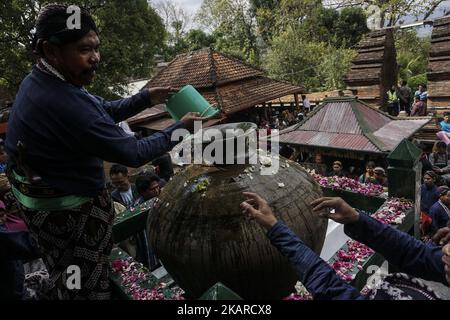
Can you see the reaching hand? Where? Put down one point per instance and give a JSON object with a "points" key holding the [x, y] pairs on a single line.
{"points": [[343, 213], [159, 95], [442, 236], [189, 119], [258, 208]]}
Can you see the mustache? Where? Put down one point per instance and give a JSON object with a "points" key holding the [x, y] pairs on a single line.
{"points": [[91, 70]]}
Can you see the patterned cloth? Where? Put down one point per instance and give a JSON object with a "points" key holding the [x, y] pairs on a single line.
{"points": [[81, 237], [37, 286], [400, 286]]}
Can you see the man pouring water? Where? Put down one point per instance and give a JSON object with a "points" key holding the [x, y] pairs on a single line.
{"points": [[58, 137]]}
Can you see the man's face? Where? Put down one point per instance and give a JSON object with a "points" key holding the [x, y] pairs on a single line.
{"points": [[337, 168], [420, 88], [447, 118], [3, 156], [318, 158], [446, 198], [378, 175], [78, 61], [153, 191], [120, 182], [369, 170], [446, 260], [427, 180]]}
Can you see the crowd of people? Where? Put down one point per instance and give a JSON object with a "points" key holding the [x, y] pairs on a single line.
{"points": [[435, 201], [369, 172], [56, 203], [402, 101]]}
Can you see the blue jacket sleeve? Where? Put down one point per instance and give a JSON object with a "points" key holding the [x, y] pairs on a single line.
{"points": [[123, 109], [408, 254], [109, 142], [439, 218], [17, 245], [313, 272]]}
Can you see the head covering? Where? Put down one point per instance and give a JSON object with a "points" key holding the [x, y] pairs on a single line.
{"points": [[338, 163], [379, 170], [51, 25], [443, 190], [431, 174]]}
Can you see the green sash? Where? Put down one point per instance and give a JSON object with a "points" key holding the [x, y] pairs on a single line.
{"points": [[48, 204]]}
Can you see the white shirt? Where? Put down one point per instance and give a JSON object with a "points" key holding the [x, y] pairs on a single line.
{"points": [[127, 198], [306, 104], [124, 125]]}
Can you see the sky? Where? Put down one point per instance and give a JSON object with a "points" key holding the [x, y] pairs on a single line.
{"points": [[191, 7]]}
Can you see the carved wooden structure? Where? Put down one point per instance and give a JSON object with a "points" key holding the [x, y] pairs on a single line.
{"points": [[374, 69]]}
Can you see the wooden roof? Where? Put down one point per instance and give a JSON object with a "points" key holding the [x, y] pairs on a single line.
{"points": [[154, 112], [314, 97], [203, 68], [223, 80], [349, 124]]}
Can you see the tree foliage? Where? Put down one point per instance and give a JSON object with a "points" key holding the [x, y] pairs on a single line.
{"points": [[300, 41], [16, 23], [177, 22], [317, 66], [391, 12], [233, 26], [412, 56], [311, 45], [297, 66], [128, 41]]}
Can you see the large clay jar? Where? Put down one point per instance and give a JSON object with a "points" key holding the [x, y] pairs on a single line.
{"points": [[202, 237]]}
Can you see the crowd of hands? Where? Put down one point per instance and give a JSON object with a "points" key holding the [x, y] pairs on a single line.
{"points": [[336, 209], [258, 209]]}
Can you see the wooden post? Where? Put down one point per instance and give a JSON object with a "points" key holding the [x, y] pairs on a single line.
{"points": [[297, 107], [265, 112]]}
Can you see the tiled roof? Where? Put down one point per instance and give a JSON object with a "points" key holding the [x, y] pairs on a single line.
{"points": [[158, 124], [150, 113], [242, 95], [329, 140], [239, 96], [395, 131], [223, 80], [202, 69], [165, 122], [346, 123]]}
